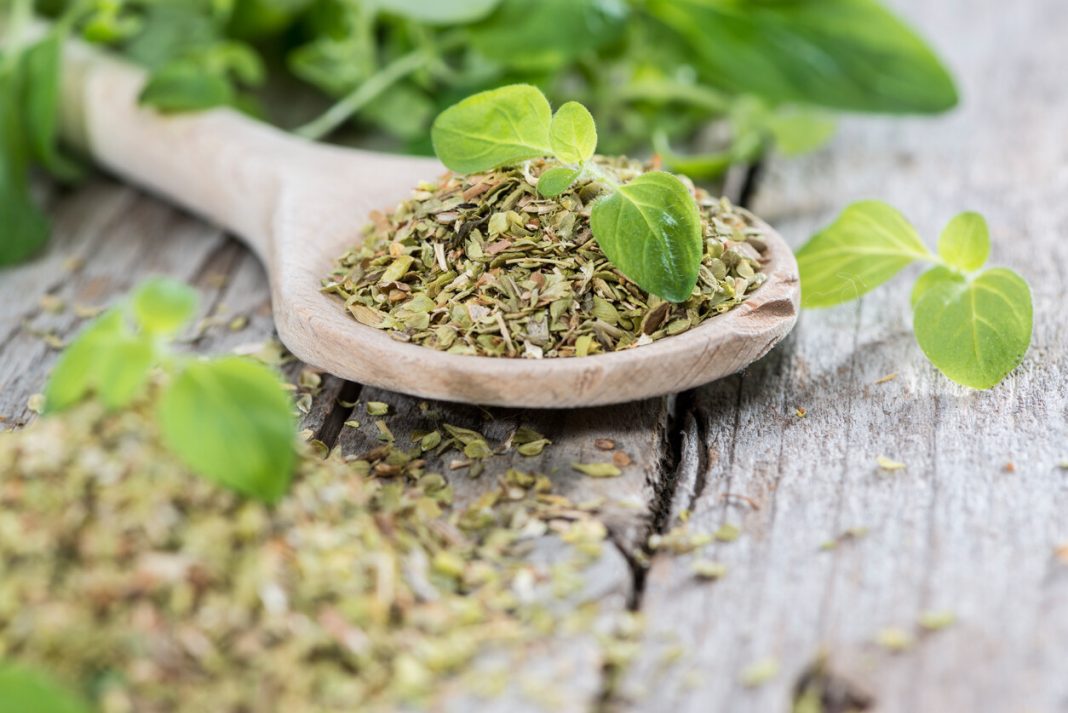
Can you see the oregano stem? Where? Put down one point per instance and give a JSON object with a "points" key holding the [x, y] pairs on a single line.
{"points": [[599, 174], [364, 94], [368, 91]]}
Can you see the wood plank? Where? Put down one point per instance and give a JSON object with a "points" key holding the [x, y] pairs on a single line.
{"points": [[106, 238], [957, 529]]}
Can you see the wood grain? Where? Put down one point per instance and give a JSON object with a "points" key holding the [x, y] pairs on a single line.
{"points": [[958, 529]]}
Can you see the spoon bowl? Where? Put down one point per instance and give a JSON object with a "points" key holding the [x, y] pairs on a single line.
{"points": [[298, 205]]}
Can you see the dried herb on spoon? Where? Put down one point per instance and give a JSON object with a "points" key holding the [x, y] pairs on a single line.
{"points": [[546, 257]]}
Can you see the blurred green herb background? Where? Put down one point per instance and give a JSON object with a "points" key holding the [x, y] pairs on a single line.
{"points": [[732, 78]]}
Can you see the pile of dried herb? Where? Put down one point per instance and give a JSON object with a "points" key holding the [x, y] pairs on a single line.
{"points": [[483, 264], [364, 588]]}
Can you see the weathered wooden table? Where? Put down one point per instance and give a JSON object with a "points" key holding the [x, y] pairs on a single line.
{"points": [[972, 525]]}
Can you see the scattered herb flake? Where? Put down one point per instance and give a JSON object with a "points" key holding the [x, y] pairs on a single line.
{"points": [[727, 532], [936, 620], [598, 470], [709, 569], [850, 535], [759, 672], [889, 464], [377, 408], [36, 403], [894, 639], [52, 304]]}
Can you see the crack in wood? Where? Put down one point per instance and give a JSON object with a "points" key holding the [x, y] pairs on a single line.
{"points": [[335, 419]]}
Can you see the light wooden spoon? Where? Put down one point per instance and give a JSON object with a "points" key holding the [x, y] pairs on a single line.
{"points": [[299, 205]]}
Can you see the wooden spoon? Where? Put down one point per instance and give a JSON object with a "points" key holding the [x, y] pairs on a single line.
{"points": [[299, 205]]}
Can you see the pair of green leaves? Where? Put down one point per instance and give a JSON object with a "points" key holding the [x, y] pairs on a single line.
{"points": [[649, 228], [228, 419], [974, 326]]}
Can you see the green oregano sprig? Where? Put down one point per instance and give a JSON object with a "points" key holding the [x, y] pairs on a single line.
{"points": [[649, 228], [973, 324], [227, 418]]}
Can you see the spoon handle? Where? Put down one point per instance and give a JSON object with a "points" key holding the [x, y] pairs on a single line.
{"points": [[219, 164]]}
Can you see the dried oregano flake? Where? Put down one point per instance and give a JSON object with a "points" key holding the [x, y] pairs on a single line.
{"points": [[482, 264]]}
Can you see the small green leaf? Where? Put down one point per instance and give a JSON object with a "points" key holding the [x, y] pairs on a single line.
{"points": [[573, 134], [598, 470], [869, 243], [935, 276], [25, 691], [651, 230], [108, 359], [556, 180], [495, 128], [163, 306], [122, 369], [965, 242], [438, 12], [74, 373], [183, 85], [976, 332], [230, 420]]}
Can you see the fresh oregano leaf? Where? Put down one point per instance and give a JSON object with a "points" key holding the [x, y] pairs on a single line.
{"points": [[41, 64], [494, 128], [163, 306], [976, 331], [572, 134], [556, 180], [651, 230], [107, 359], [26, 691], [869, 243], [965, 242], [23, 228], [846, 54], [183, 85], [122, 369], [230, 420], [74, 374], [935, 276], [544, 36]]}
